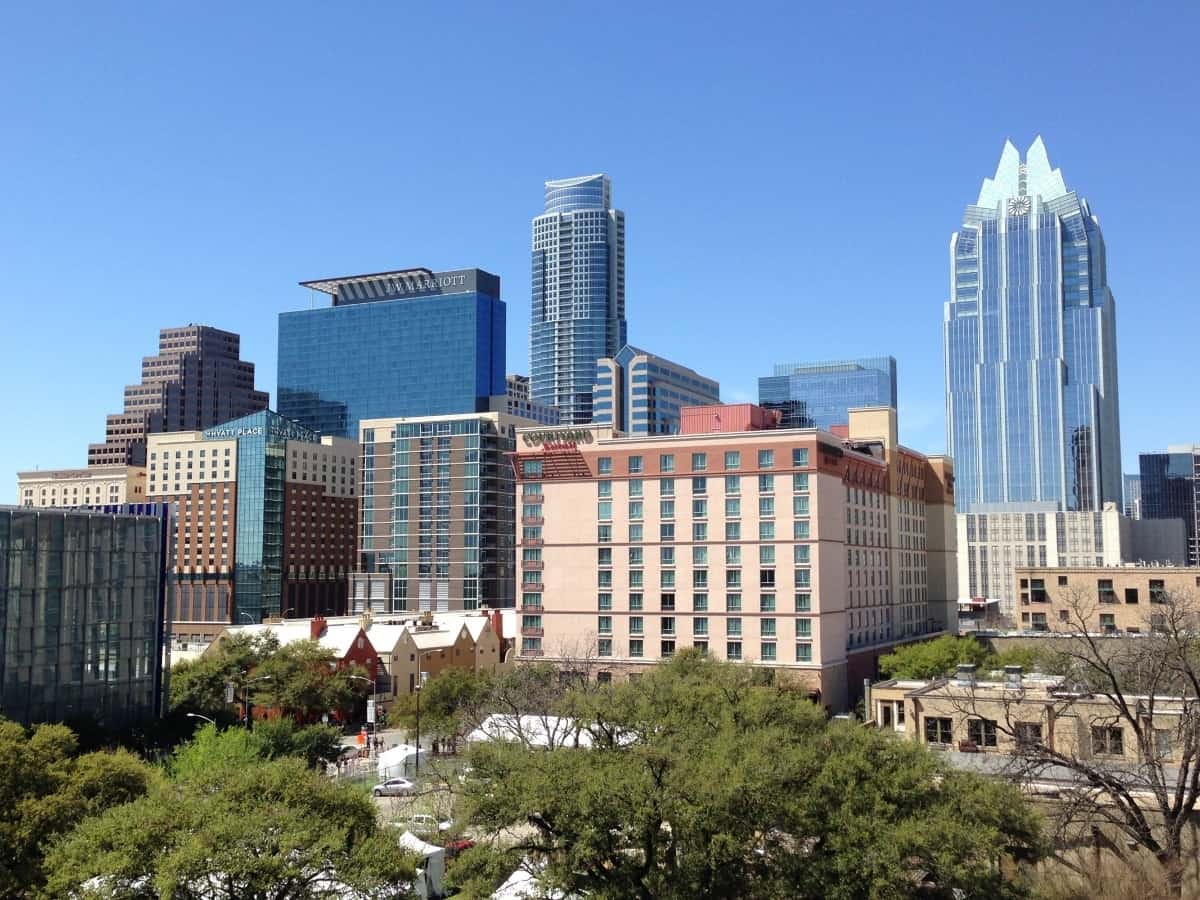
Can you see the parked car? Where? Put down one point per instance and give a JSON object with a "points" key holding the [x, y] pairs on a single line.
{"points": [[425, 825], [394, 787]]}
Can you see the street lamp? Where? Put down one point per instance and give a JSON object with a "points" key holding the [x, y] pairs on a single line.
{"points": [[246, 697], [249, 617], [212, 722]]}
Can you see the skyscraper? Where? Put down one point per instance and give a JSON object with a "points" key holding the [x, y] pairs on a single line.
{"points": [[821, 394], [197, 380], [404, 343], [578, 312], [1030, 346], [1170, 489]]}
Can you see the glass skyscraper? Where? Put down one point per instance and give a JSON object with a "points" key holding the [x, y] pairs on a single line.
{"points": [[821, 394], [641, 393], [1030, 346], [578, 301], [404, 343]]}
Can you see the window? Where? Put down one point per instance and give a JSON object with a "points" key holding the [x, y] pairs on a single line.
{"points": [[604, 601], [667, 602], [604, 647], [938, 730], [604, 580], [733, 650], [604, 534], [733, 603], [699, 556], [700, 626], [802, 554], [800, 505], [733, 555], [604, 624], [766, 531], [635, 465], [1028, 734], [1162, 743], [766, 507], [803, 601], [700, 578], [1104, 587], [603, 488], [767, 651], [666, 578], [733, 507], [699, 462], [635, 648], [803, 652], [800, 482], [668, 649], [733, 459], [981, 732], [803, 578], [635, 532], [733, 484], [636, 625], [699, 485], [635, 509], [699, 602], [733, 531], [699, 531], [766, 459], [733, 627], [604, 510], [636, 554], [803, 628], [666, 487], [666, 462], [636, 578], [766, 555], [1108, 622], [666, 509], [733, 578], [799, 457], [666, 531], [531, 467], [1158, 591], [1108, 740], [767, 627], [604, 465], [604, 556], [766, 484], [666, 556], [635, 602]]}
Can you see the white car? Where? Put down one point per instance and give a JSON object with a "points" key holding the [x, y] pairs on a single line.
{"points": [[394, 787]]}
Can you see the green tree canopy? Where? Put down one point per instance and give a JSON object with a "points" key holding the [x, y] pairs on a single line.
{"points": [[45, 788], [703, 783], [229, 825], [933, 659]]}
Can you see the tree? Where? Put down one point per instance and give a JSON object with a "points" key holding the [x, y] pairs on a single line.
{"points": [[702, 782], [302, 681], [229, 825], [932, 659], [199, 685], [450, 701], [1146, 685], [317, 745], [46, 788]]}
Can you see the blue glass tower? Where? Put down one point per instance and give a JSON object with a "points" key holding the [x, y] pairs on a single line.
{"points": [[1030, 346], [821, 394], [405, 343], [578, 304]]}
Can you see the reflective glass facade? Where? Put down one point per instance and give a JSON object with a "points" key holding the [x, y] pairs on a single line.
{"points": [[640, 393], [81, 602], [578, 300], [821, 394], [1030, 346], [393, 345], [1170, 489]]}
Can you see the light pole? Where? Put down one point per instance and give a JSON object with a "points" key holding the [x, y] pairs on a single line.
{"points": [[420, 656], [246, 698], [249, 617], [212, 722]]}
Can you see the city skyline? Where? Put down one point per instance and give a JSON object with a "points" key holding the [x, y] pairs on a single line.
{"points": [[164, 224]]}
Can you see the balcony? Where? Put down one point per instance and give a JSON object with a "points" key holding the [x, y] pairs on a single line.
{"points": [[535, 586], [532, 632], [533, 565], [533, 520], [532, 542]]}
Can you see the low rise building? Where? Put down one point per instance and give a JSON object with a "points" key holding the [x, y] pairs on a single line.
{"points": [[1104, 599], [967, 714], [94, 486], [791, 549], [517, 402]]}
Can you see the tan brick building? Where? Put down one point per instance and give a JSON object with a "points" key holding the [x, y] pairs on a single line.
{"points": [[792, 549], [1108, 599], [95, 486]]}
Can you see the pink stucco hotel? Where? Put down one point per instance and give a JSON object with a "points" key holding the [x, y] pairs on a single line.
{"points": [[802, 551]]}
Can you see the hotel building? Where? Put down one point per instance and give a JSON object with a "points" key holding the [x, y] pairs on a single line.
{"points": [[95, 486], [265, 521], [791, 549], [437, 517]]}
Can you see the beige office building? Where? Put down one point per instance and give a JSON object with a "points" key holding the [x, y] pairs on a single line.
{"points": [[791, 549], [1104, 599], [96, 486]]}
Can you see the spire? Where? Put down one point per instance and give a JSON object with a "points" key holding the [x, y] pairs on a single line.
{"points": [[1014, 179]]}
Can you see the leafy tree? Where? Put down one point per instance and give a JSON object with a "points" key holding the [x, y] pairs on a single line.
{"points": [[317, 745], [229, 825], [702, 783], [45, 788], [932, 659], [303, 681], [450, 701], [199, 685]]}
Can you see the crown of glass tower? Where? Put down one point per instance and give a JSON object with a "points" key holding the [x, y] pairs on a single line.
{"points": [[1030, 346], [578, 301]]}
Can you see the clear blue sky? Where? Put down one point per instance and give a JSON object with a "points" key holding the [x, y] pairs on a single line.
{"points": [[790, 173]]}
